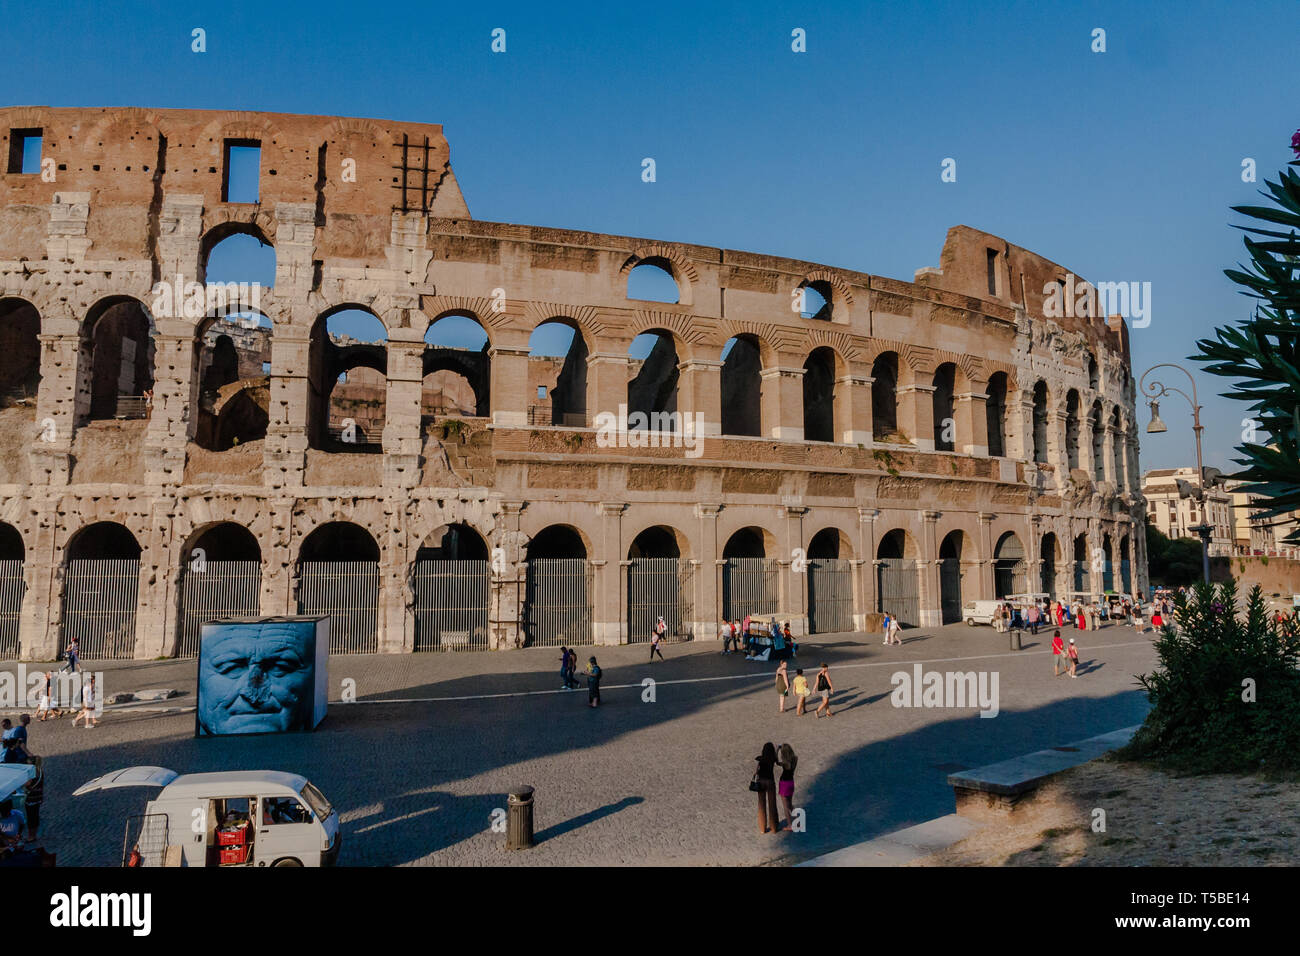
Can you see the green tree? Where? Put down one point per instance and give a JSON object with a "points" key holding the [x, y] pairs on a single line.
{"points": [[1172, 562], [1262, 353]]}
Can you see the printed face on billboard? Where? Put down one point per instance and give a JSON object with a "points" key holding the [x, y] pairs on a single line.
{"points": [[256, 678]]}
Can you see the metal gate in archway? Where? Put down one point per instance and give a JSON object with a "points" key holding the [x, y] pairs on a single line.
{"points": [[1126, 577], [451, 605], [12, 589], [1010, 577], [1107, 575], [749, 586], [897, 590], [347, 592], [212, 590], [1047, 577], [1082, 578], [950, 590], [830, 595], [660, 587], [557, 602], [99, 604]]}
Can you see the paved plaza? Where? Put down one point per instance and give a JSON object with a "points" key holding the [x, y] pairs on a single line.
{"points": [[417, 766]]}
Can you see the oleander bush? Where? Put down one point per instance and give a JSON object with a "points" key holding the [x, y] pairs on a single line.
{"points": [[1225, 697]]}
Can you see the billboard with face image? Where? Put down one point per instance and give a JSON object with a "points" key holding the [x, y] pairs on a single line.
{"points": [[262, 676]]}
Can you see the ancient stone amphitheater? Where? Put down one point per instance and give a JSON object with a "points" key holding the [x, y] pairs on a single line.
{"points": [[777, 437]]}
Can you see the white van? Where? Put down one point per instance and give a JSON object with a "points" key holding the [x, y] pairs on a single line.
{"points": [[980, 612], [234, 818]]}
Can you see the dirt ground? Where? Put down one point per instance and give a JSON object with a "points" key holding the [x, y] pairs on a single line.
{"points": [[1152, 818]]}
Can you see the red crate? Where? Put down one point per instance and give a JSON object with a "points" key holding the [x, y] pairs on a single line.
{"points": [[235, 836], [234, 854]]}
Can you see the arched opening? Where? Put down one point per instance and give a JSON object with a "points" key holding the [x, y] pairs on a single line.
{"points": [[1107, 569], [101, 586], [117, 353], [1040, 422], [221, 577], [1047, 566], [884, 396], [1117, 451], [1072, 429], [456, 370], [659, 584], [897, 579], [995, 412], [338, 578], [557, 594], [452, 588], [1098, 443], [819, 396], [347, 381], [1009, 567], [237, 252], [1082, 575], [233, 364], [951, 577], [749, 578], [653, 280], [652, 387], [20, 353], [12, 589], [815, 300], [830, 583], [1125, 566], [945, 422], [1093, 376], [742, 386], [557, 374]]}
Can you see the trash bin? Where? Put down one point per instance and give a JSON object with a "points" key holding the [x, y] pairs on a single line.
{"points": [[519, 819], [1015, 639]]}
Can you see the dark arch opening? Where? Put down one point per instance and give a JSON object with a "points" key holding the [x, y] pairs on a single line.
{"points": [[1072, 429], [117, 346], [951, 577], [652, 391], [557, 374], [656, 542], [233, 359], [819, 396], [556, 541], [1040, 422], [339, 541], [228, 542], [1009, 566], [347, 381], [742, 387], [1047, 552], [11, 544], [1098, 443], [745, 543], [893, 545], [945, 422], [453, 542], [457, 376], [816, 298], [825, 545], [104, 541], [884, 396], [1092, 371], [995, 411], [20, 352]]}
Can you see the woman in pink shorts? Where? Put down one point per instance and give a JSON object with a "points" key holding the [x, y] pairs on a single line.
{"points": [[785, 786]]}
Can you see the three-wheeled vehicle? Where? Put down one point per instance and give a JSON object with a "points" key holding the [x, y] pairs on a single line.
{"points": [[231, 818]]}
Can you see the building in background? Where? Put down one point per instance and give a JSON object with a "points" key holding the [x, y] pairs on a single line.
{"points": [[1173, 506], [1255, 534]]}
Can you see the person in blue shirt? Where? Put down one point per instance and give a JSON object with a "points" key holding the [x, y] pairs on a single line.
{"points": [[593, 683]]}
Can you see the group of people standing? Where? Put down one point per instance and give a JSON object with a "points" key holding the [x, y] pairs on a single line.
{"points": [[765, 784], [14, 822], [772, 642]]}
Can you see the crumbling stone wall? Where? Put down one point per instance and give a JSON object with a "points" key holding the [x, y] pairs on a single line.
{"points": [[135, 196]]}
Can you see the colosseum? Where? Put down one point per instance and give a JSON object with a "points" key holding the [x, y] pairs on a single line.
{"points": [[759, 435]]}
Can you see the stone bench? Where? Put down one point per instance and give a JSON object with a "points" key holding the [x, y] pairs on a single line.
{"points": [[993, 792]]}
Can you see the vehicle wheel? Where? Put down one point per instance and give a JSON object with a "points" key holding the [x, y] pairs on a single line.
{"points": [[970, 622], [287, 862]]}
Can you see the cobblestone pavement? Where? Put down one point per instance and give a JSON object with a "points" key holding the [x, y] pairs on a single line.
{"points": [[417, 766]]}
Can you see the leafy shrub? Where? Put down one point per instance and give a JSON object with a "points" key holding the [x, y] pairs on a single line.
{"points": [[1199, 721]]}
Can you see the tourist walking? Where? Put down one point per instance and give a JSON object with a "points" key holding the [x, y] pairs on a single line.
{"points": [[655, 637], [764, 784], [785, 756], [1138, 625], [825, 688], [782, 686], [800, 690], [593, 683], [884, 627], [1058, 651], [45, 704], [1073, 653], [564, 668], [1157, 619], [87, 704], [1033, 618], [894, 629], [73, 654], [573, 667], [727, 636]]}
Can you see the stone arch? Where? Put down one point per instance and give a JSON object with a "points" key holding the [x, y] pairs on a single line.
{"points": [[659, 541], [1041, 398], [822, 369], [558, 373], [997, 388], [1009, 565], [653, 390], [884, 396], [469, 366], [671, 261], [364, 403], [744, 356], [259, 225], [897, 543], [116, 359], [20, 351], [454, 541], [750, 541]]}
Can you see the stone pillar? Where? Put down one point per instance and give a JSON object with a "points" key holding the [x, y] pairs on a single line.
{"points": [[1109, 450], [607, 376], [284, 458], [866, 584], [853, 409], [699, 393], [794, 574], [50, 447], [1020, 427], [970, 410], [508, 580], [278, 559], [402, 438], [510, 398], [155, 623], [1086, 461], [916, 414], [395, 616], [38, 626], [1057, 455], [783, 403], [169, 427], [985, 584], [610, 578], [708, 574], [931, 595]]}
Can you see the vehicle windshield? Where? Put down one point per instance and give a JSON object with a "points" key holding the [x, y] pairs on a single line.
{"points": [[316, 800]]}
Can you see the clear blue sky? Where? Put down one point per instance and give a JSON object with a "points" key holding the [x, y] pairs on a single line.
{"points": [[1120, 165]]}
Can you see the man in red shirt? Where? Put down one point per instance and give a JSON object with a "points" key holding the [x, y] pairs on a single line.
{"points": [[1058, 648]]}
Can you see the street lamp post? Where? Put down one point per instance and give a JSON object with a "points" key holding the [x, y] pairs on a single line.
{"points": [[1154, 392]]}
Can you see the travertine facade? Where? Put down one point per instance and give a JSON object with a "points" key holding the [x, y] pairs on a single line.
{"points": [[137, 197]]}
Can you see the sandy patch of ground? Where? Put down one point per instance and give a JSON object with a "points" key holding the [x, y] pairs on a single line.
{"points": [[1152, 818]]}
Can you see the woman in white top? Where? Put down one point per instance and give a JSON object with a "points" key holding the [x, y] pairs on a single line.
{"points": [[87, 704]]}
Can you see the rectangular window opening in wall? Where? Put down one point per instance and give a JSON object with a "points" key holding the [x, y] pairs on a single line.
{"points": [[242, 169], [993, 271], [25, 151]]}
